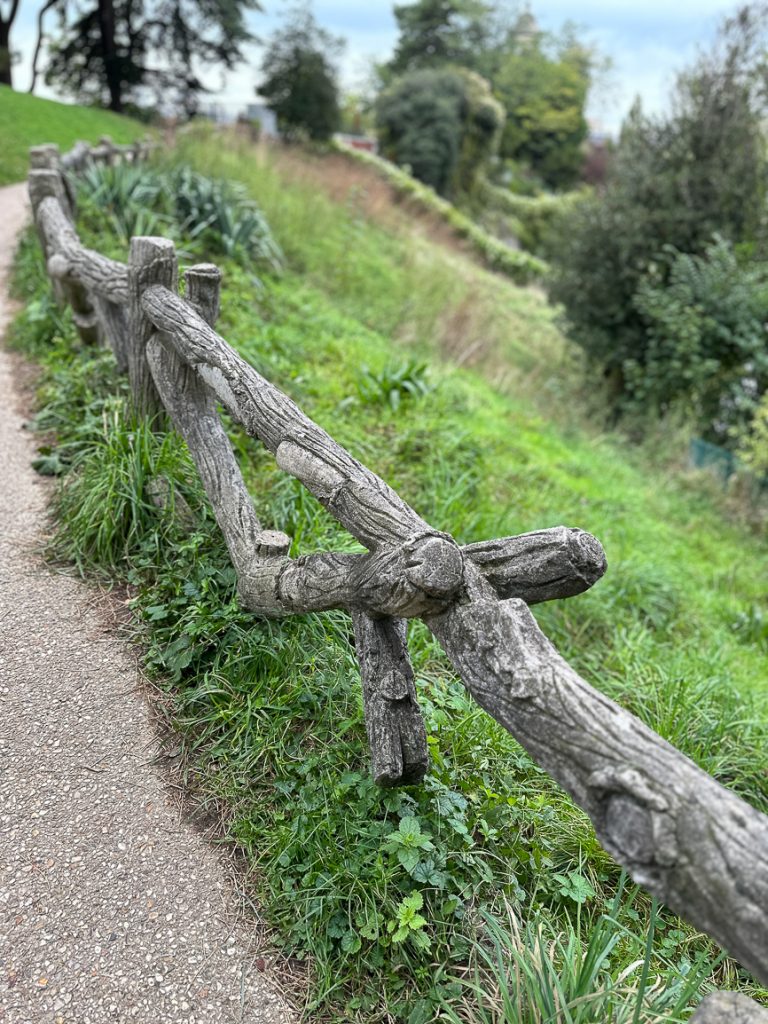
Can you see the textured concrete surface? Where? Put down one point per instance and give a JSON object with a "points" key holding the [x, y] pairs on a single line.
{"points": [[112, 908]]}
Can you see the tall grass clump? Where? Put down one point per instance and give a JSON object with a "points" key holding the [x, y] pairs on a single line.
{"points": [[534, 973]]}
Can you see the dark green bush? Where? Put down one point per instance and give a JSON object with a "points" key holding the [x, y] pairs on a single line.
{"points": [[706, 337], [444, 125], [676, 181]]}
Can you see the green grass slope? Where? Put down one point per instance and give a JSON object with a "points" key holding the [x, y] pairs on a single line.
{"points": [[388, 895], [29, 121]]}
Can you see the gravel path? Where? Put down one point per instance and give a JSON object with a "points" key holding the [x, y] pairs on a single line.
{"points": [[112, 908]]}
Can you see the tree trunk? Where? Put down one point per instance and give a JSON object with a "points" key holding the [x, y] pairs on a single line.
{"points": [[40, 38], [111, 59], [5, 53]]}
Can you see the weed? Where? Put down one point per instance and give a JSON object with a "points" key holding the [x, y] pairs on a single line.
{"points": [[392, 384]]}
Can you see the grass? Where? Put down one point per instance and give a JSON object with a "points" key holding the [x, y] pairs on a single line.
{"points": [[495, 254], [29, 121], [384, 270], [409, 905]]}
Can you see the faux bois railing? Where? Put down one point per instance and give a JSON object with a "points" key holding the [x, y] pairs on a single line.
{"points": [[688, 840]]}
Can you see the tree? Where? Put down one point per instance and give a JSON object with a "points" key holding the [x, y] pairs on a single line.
{"points": [[47, 6], [434, 33], [675, 181], [444, 124], [544, 96], [113, 51], [541, 79], [6, 57], [300, 78]]}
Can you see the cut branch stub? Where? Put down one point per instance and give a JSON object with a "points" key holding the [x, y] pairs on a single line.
{"points": [[393, 721], [542, 565], [203, 286], [152, 261]]}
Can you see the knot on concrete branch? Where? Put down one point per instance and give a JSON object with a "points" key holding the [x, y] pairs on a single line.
{"points": [[434, 565], [588, 556], [58, 266], [636, 821]]}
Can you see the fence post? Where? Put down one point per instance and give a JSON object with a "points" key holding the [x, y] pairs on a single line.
{"points": [[152, 261], [108, 146], [45, 184], [45, 157], [48, 158]]}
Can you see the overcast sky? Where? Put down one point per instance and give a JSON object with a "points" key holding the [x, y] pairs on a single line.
{"points": [[647, 41]]}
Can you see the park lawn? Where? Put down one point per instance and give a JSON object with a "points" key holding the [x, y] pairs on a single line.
{"points": [[30, 121], [269, 714]]}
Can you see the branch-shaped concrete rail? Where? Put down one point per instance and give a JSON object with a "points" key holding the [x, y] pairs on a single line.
{"points": [[690, 841], [687, 839]]}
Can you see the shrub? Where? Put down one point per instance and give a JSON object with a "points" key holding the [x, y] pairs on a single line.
{"points": [[675, 181], [705, 331], [221, 213], [534, 219], [215, 216], [444, 125], [394, 383]]}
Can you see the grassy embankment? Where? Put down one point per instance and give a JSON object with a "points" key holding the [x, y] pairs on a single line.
{"points": [[386, 892], [29, 121]]}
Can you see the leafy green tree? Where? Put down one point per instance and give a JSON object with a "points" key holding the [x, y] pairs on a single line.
{"points": [[434, 33], [706, 348], [541, 80], [112, 51], [443, 124], [544, 97], [675, 181], [299, 80]]}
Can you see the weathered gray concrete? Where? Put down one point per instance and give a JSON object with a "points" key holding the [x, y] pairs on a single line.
{"points": [[112, 908]]}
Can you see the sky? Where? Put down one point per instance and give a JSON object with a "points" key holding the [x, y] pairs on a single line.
{"points": [[646, 40]]}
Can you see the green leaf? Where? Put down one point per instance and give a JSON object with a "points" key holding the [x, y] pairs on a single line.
{"points": [[413, 902], [408, 858], [350, 942]]}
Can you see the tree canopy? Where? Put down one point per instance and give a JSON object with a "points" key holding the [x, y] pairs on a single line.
{"points": [[434, 33], [541, 80], [443, 123], [114, 52], [545, 96], [299, 80]]}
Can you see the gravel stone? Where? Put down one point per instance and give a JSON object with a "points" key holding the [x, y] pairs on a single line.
{"points": [[112, 906]]}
